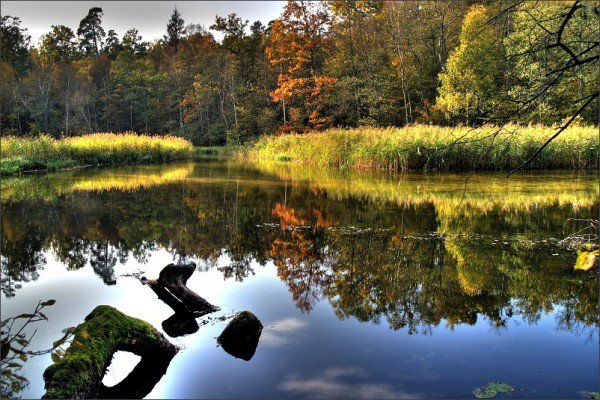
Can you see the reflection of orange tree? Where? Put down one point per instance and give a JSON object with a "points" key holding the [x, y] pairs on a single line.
{"points": [[300, 253]]}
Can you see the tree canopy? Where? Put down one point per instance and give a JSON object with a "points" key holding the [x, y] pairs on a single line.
{"points": [[319, 64]]}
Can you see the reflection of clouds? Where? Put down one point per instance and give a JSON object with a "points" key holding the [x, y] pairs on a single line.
{"points": [[279, 333], [331, 383]]}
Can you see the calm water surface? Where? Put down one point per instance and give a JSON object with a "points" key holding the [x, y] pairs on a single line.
{"points": [[368, 285]]}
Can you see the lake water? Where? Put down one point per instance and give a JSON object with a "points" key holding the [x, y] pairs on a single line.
{"points": [[373, 285]]}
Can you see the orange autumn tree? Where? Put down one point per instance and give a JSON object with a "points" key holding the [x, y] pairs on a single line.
{"points": [[296, 47]]}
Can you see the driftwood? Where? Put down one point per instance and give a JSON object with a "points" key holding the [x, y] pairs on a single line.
{"points": [[171, 288], [106, 330], [240, 336]]}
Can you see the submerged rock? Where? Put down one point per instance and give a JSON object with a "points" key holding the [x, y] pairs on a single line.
{"points": [[105, 331], [240, 336]]}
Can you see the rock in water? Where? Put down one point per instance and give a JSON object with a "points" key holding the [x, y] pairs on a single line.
{"points": [[240, 336]]}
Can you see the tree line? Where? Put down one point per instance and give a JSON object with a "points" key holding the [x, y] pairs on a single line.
{"points": [[319, 64]]}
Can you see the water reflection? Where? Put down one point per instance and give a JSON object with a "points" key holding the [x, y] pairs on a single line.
{"points": [[412, 252]]}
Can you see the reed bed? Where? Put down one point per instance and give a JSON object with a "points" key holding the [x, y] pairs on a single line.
{"points": [[426, 147], [20, 154]]}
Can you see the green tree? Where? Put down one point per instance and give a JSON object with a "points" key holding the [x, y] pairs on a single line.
{"points": [[14, 42], [59, 44], [472, 81], [112, 45], [175, 29], [90, 32]]}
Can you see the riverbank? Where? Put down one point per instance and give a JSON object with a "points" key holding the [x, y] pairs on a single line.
{"points": [[426, 147], [43, 153]]}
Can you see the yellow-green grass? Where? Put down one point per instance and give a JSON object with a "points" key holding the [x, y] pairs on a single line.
{"points": [[427, 147], [19, 154]]}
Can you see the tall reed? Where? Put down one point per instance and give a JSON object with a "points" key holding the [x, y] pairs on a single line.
{"points": [[422, 147], [44, 153]]}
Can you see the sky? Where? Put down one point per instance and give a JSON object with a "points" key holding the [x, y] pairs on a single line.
{"points": [[148, 17]]}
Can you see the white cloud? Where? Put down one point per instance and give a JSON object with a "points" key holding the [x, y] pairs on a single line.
{"points": [[281, 332], [327, 385]]}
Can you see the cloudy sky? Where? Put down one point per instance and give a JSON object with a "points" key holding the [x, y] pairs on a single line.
{"points": [[148, 17]]}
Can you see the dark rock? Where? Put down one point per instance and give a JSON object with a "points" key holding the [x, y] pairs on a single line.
{"points": [[240, 336]]}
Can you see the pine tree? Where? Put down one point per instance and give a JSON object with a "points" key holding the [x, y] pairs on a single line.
{"points": [[90, 32], [175, 29]]}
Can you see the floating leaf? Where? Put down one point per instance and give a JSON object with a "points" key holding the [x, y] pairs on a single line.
{"points": [[500, 387], [586, 259], [48, 302], [491, 389], [25, 316], [484, 393], [22, 342], [23, 357], [43, 315]]}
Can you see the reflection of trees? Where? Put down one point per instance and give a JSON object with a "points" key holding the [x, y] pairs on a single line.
{"points": [[22, 255], [301, 254], [412, 265]]}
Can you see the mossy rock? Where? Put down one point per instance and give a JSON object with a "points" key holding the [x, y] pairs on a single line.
{"points": [[106, 330]]}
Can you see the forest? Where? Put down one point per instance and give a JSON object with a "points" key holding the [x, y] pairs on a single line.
{"points": [[318, 65]]}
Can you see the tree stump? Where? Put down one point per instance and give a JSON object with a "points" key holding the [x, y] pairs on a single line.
{"points": [[105, 331]]}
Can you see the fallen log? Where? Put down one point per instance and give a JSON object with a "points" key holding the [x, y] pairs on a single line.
{"points": [[106, 330], [171, 288]]}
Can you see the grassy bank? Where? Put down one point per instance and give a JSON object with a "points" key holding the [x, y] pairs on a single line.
{"points": [[422, 147], [44, 153]]}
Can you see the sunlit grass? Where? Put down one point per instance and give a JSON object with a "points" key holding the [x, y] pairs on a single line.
{"points": [[421, 147], [45, 153], [47, 187]]}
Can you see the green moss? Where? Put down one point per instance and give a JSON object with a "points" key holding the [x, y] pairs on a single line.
{"points": [[93, 346]]}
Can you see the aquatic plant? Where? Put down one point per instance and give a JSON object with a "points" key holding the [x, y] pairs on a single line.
{"points": [[427, 147], [492, 389]]}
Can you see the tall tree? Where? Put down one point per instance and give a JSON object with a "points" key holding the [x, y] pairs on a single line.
{"points": [[474, 72], [14, 42], [175, 29], [90, 32], [297, 47]]}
